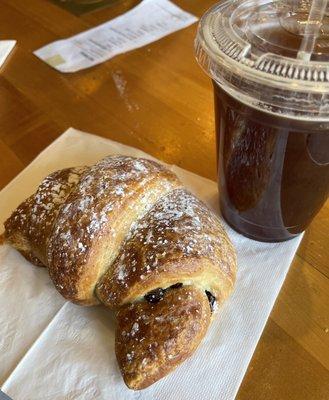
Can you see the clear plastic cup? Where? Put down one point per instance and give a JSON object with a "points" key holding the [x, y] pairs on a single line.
{"points": [[272, 114]]}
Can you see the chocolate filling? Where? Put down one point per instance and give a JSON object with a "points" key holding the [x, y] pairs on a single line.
{"points": [[155, 295], [158, 294], [211, 299], [175, 286]]}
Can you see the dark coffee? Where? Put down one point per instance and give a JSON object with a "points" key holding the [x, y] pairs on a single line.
{"points": [[273, 170], [271, 83]]}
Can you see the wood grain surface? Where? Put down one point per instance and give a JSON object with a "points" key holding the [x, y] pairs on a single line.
{"points": [[158, 99]]}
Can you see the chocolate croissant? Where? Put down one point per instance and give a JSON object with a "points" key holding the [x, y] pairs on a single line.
{"points": [[125, 233]]}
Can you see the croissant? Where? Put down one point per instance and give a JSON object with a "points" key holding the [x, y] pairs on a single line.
{"points": [[124, 232]]}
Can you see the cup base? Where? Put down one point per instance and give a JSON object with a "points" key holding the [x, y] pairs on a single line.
{"points": [[255, 232]]}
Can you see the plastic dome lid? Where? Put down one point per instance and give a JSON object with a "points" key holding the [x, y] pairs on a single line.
{"points": [[252, 48]]}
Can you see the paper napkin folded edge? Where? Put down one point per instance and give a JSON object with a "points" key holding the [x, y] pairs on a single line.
{"points": [[6, 47]]}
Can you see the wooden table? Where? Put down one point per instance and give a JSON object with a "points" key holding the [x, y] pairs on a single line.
{"points": [[158, 99]]}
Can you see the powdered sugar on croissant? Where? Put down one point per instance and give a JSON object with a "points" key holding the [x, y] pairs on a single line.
{"points": [[178, 240], [124, 232]]}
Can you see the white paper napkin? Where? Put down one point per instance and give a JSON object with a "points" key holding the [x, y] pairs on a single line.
{"points": [[51, 349], [6, 46]]}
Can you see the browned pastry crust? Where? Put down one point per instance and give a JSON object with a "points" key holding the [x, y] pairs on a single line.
{"points": [[110, 197], [103, 201], [178, 240], [118, 230], [29, 227], [153, 339]]}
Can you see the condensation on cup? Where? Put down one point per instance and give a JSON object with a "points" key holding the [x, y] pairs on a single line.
{"points": [[269, 62]]}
